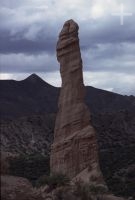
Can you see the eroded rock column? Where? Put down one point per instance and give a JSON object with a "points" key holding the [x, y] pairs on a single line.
{"points": [[74, 151]]}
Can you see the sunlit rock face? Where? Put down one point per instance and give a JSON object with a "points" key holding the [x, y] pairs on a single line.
{"points": [[74, 151]]}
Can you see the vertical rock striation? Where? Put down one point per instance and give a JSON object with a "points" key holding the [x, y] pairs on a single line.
{"points": [[74, 150]]}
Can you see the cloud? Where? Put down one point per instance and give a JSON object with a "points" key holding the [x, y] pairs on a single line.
{"points": [[29, 32], [12, 63], [33, 27], [29, 43], [117, 58], [119, 83]]}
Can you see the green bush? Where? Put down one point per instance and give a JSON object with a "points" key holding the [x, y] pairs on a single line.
{"points": [[30, 166], [64, 193], [53, 181], [98, 189], [81, 191], [85, 191]]}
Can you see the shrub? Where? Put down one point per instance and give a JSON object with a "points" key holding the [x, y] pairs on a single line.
{"points": [[64, 193], [81, 190], [53, 181], [98, 189], [85, 191], [30, 166]]}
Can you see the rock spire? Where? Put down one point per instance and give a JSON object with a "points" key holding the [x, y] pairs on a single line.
{"points": [[74, 150]]}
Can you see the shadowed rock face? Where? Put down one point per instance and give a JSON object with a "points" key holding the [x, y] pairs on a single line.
{"points": [[75, 148], [14, 188]]}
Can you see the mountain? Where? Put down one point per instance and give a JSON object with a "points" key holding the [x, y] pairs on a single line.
{"points": [[26, 97], [28, 109], [35, 96]]}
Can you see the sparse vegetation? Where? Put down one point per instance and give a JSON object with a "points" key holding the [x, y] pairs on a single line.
{"points": [[119, 171], [30, 166], [82, 191], [53, 181], [98, 189], [64, 193], [86, 191]]}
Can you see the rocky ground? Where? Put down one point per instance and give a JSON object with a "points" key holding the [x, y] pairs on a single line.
{"points": [[116, 146], [29, 131]]}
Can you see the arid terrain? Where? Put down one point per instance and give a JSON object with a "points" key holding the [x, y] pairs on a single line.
{"points": [[28, 110]]}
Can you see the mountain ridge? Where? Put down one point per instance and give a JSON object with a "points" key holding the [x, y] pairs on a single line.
{"points": [[34, 95], [34, 77]]}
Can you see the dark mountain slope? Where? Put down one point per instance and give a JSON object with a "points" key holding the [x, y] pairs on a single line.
{"points": [[104, 101], [30, 96], [35, 96]]}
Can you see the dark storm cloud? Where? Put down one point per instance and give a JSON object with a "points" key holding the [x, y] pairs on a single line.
{"points": [[21, 63], [29, 32], [32, 41], [106, 31], [19, 44], [37, 35], [25, 29], [109, 57]]}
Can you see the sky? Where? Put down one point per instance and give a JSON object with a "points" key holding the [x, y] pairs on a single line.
{"points": [[29, 32]]}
